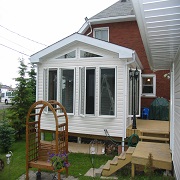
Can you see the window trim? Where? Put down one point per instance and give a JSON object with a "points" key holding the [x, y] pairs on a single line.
{"points": [[154, 85], [101, 28], [115, 92]]}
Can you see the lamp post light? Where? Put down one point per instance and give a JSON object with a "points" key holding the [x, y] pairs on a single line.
{"points": [[134, 77]]}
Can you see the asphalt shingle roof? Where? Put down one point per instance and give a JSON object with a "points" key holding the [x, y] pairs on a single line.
{"points": [[120, 8]]}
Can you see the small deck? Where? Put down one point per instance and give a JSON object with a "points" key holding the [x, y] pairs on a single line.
{"points": [[161, 155], [150, 130]]}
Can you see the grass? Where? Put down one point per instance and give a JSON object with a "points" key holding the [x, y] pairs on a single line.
{"points": [[80, 164]]}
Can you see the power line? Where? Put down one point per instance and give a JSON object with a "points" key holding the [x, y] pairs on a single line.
{"points": [[22, 36], [15, 50], [15, 43]]}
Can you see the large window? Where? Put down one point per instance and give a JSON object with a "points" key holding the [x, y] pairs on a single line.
{"points": [[60, 88], [101, 33], [134, 92], [148, 85], [67, 89], [87, 91], [107, 91]]}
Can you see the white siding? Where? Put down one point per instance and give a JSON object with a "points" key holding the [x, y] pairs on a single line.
{"points": [[94, 125], [176, 149]]}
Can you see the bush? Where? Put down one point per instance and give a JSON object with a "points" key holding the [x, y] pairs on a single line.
{"points": [[7, 136]]}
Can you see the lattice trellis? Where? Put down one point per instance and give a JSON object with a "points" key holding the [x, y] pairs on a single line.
{"points": [[37, 150]]}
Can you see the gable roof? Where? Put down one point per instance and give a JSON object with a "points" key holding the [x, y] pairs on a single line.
{"points": [[124, 53], [120, 11]]}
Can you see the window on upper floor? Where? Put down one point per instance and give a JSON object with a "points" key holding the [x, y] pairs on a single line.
{"points": [[69, 55], [149, 85], [101, 33]]}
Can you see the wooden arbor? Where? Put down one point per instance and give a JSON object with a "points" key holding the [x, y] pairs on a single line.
{"points": [[36, 149]]}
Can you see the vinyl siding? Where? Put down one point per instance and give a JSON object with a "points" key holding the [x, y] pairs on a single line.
{"points": [[94, 125], [176, 154]]}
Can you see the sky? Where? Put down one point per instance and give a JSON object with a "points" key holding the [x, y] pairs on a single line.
{"points": [[42, 23]]}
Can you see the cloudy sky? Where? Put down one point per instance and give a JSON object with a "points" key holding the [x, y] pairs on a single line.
{"points": [[28, 26]]}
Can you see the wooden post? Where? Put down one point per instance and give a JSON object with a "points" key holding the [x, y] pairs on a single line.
{"points": [[132, 170]]}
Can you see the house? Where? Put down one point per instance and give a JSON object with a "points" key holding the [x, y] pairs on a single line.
{"points": [[88, 72], [158, 22]]}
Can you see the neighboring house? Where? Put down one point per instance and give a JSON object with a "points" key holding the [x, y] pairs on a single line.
{"points": [[159, 23], [88, 72]]}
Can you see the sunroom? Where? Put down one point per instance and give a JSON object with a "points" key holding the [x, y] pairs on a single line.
{"points": [[90, 77]]}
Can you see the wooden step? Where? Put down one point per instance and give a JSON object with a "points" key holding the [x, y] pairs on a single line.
{"points": [[154, 138], [155, 132], [122, 155], [114, 161], [130, 150], [107, 165]]}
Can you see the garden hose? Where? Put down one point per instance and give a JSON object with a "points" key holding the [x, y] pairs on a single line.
{"points": [[131, 141]]}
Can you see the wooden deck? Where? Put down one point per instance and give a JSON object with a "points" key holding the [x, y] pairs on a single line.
{"points": [[161, 155], [150, 130]]}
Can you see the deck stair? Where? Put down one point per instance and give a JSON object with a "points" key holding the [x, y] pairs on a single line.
{"points": [[154, 136], [118, 162]]}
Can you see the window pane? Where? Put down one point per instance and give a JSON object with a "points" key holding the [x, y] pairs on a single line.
{"points": [[107, 92], [67, 85], [84, 54], [68, 55], [147, 85], [90, 90], [52, 85], [101, 34], [82, 94]]}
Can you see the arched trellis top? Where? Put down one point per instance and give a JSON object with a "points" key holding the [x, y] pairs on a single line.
{"points": [[36, 149]]}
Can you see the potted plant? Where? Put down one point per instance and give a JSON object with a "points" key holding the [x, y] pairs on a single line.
{"points": [[58, 161]]}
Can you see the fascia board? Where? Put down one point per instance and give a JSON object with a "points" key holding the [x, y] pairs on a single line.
{"points": [[122, 51]]}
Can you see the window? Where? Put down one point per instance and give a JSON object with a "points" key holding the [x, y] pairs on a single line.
{"points": [[60, 88], [87, 91], [134, 92], [107, 91], [85, 54], [68, 55], [67, 89], [149, 85], [52, 84], [101, 33]]}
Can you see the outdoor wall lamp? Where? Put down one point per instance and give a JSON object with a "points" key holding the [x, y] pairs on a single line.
{"points": [[8, 157], [134, 77]]}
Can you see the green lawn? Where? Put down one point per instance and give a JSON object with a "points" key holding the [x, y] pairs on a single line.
{"points": [[80, 164]]}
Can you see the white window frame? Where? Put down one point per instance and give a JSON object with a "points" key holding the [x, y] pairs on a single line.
{"points": [[59, 78], [154, 85], [140, 90], [115, 93], [83, 114], [101, 28]]}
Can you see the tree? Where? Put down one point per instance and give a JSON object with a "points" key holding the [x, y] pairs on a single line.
{"points": [[24, 97]]}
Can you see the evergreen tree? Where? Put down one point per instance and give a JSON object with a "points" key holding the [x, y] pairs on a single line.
{"points": [[24, 97]]}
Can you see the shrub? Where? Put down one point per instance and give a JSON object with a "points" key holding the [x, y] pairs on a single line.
{"points": [[7, 136]]}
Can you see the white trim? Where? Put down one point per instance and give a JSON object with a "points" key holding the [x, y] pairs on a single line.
{"points": [[154, 85], [75, 38]]}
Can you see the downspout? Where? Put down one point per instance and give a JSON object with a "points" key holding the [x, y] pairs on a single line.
{"points": [[125, 98], [87, 20]]}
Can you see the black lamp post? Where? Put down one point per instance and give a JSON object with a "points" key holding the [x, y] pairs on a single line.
{"points": [[134, 76]]}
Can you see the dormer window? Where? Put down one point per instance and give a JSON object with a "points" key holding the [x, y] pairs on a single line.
{"points": [[101, 33]]}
